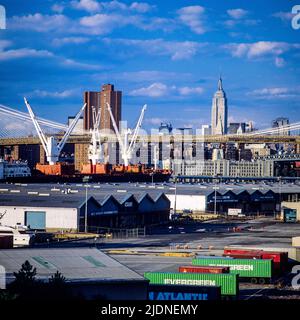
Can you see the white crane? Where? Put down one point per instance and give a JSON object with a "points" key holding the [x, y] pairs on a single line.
{"points": [[51, 146], [126, 148], [2, 214], [95, 149]]}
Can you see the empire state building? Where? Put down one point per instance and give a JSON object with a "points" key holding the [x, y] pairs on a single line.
{"points": [[219, 112]]}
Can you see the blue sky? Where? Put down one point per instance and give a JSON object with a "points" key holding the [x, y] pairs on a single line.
{"points": [[167, 54]]}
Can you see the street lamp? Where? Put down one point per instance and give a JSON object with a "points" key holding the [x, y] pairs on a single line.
{"points": [[215, 200], [279, 207], [86, 209], [175, 195]]}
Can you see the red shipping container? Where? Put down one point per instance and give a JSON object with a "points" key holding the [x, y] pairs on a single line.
{"points": [[229, 251], [248, 255], [203, 269], [280, 259]]}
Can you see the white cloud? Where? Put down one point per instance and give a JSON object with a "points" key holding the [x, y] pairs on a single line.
{"points": [[55, 94], [94, 6], [155, 90], [257, 49], [237, 13], [155, 121], [193, 17], [24, 53], [185, 91], [262, 49], [159, 89], [21, 53], [94, 24], [165, 24], [271, 91], [114, 5], [59, 8], [234, 22], [69, 40], [141, 7], [102, 23], [79, 65], [275, 93], [87, 5], [284, 16], [41, 23], [175, 49]]}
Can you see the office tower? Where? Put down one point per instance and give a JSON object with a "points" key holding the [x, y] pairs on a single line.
{"points": [[114, 99], [281, 124], [99, 100], [219, 112], [92, 99]]}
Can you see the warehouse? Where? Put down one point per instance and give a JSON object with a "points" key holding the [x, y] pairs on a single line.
{"points": [[90, 274], [53, 211], [249, 201], [191, 202], [159, 204], [45, 212], [106, 216]]}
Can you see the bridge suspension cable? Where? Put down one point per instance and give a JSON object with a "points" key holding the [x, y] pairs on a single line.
{"points": [[24, 116]]}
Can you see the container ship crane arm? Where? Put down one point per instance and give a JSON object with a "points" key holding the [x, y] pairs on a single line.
{"points": [[37, 127], [115, 127], [136, 130], [70, 129]]}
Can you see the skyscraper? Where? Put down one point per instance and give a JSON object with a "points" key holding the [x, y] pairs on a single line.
{"points": [[92, 99], [219, 111], [114, 99], [99, 100], [281, 124]]}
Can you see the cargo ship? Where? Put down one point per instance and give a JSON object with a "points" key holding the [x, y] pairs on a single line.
{"points": [[65, 173]]}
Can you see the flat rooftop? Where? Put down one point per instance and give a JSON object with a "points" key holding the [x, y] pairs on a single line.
{"points": [[75, 264]]}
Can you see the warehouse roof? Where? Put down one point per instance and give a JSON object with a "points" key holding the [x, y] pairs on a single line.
{"points": [[53, 201], [76, 264], [120, 190]]}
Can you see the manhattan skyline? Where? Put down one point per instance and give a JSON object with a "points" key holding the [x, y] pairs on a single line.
{"points": [[167, 54]]}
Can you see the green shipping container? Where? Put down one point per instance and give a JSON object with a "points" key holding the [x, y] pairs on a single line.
{"points": [[245, 268], [227, 281]]}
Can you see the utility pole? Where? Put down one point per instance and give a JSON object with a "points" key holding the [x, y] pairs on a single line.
{"points": [[215, 200], [175, 195], [279, 207], [86, 211]]}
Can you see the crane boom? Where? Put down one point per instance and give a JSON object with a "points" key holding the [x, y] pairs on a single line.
{"points": [[50, 144], [37, 126], [137, 128], [2, 214], [115, 126], [70, 129]]}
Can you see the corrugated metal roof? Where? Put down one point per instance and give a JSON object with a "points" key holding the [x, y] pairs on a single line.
{"points": [[74, 264]]}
